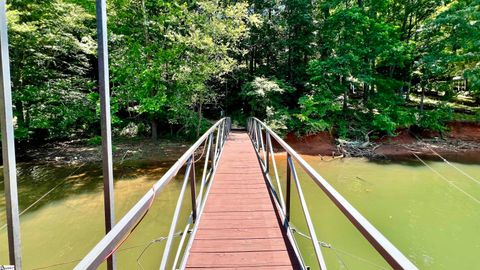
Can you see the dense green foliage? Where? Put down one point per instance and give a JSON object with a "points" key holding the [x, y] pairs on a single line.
{"points": [[348, 67], [52, 56], [368, 66]]}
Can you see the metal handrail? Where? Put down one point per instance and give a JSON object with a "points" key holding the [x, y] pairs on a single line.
{"points": [[115, 238], [257, 130]]}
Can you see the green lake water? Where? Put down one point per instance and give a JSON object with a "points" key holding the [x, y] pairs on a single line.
{"points": [[429, 220]]}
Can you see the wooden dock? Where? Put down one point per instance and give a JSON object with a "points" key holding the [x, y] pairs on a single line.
{"points": [[240, 227]]}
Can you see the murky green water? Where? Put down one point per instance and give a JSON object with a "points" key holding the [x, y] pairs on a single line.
{"points": [[69, 221], [432, 222]]}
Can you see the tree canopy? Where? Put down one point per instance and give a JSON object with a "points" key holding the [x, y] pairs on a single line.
{"points": [[349, 67]]}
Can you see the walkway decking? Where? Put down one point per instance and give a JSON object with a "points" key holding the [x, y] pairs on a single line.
{"points": [[239, 227]]}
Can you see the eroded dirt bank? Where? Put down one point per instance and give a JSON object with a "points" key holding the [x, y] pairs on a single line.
{"points": [[461, 143]]}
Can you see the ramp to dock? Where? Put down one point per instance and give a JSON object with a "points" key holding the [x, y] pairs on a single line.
{"points": [[239, 227]]}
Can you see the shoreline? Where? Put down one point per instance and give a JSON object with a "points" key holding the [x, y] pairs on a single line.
{"points": [[460, 144], [78, 151]]}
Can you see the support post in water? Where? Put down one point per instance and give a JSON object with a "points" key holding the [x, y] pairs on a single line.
{"points": [[104, 88], [8, 147]]}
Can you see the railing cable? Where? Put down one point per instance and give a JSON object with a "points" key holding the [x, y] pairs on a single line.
{"points": [[334, 249], [445, 160], [157, 240], [446, 179], [455, 167], [203, 152], [46, 194]]}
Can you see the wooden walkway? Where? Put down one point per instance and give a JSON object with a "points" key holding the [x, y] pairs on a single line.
{"points": [[239, 228]]}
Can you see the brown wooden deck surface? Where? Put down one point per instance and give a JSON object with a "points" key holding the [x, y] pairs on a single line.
{"points": [[239, 227]]}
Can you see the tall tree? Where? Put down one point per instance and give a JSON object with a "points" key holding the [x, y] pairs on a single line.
{"points": [[52, 56]]}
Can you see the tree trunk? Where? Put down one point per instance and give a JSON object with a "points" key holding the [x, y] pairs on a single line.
{"points": [[154, 130], [289, 64], [345, 95], [366, 93], [145, 23], [20, 114], [199, 125], [422, 98], [252, 57]]}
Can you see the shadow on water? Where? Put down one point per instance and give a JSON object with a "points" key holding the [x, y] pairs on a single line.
{"points": [[62, 181]]}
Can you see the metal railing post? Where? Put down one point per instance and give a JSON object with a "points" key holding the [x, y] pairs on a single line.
{"points": [[212, 153], [173, 226], [254, 131], [289, 189], [261, 142], [221, 129], [8, 148], [259, 136], [267, 150], [193, 190], [104, 88], [275, 170], [306, 215], [218, 143], [225, 131], [205, 168]]}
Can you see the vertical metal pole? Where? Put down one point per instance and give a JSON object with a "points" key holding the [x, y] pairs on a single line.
{"points": [[8, 147], [205, 168], [212, 152], [104, 88], [225, 131], [259, 137], [192, 190], [173, 226], [267, 146], [215, 153], [220, 141], [289, 188], [256, 136], [261, 142], [308, 219]]}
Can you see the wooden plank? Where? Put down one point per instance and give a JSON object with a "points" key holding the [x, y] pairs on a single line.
{"points": [[239, 197], [238, 245], [219, 207], [230, 224], [238, 259], [244, 190], [279, 267], [239, 228], [239, 233], [241, 201], [241, 215], [239, 185]]}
